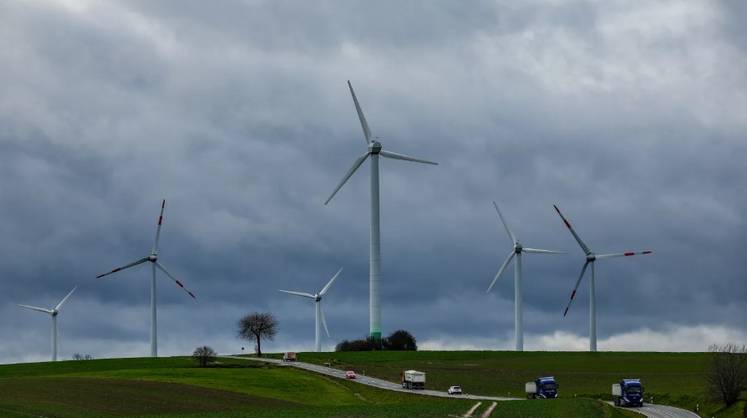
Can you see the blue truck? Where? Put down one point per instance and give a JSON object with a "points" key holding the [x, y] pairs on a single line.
{"points": [[629, 392], [543, 388]]}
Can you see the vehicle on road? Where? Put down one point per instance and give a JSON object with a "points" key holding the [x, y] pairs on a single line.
{"points": [[629, 392], [350, 374], [455, 390], [289, 356], [413, 379], [542, 387]]}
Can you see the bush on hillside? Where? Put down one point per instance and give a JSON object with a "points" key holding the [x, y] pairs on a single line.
{"points": [[399, 340], [365, 344], [204, 355], [727, 372]]}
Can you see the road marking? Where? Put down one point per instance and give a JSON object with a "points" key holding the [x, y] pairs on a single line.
{"points": [[472, 410], [489, 411]]}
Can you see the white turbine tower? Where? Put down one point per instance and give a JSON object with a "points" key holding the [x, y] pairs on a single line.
{"points": [[319, 319], [591, 258], [53, 313], [153, 259], [374, 151], [517, 250]]}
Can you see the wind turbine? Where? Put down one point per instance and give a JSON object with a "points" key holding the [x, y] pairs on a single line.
{"points": [[516, 251], [53, 313], [591, 258], [374, 150], [319, 319], [153, 259]]}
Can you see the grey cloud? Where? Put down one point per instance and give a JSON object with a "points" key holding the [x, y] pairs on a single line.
{"points": [[239, 115]]}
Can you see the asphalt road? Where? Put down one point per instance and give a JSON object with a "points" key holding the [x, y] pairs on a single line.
{"points": [[662, 411], [649, 410]]}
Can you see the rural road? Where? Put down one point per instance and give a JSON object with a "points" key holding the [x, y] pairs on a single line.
{"points": [[650, 411], [662, 411]]}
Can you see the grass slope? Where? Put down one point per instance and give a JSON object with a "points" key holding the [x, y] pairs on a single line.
{"points": [[672, 378], [173, 387]]}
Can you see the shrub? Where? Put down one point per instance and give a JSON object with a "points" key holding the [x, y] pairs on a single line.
{"points": [[204, 355]]}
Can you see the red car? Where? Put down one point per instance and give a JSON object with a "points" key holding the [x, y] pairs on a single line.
{"points": [[350, 374]]}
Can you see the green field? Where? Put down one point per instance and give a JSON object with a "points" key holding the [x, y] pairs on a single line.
{"points": [[174, 387], [672, 378]]}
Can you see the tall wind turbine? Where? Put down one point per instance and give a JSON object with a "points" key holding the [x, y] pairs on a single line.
{"points": [[517, 250], [591, 258], [374, 150], [319, 319], [153, 259], [53, 313]]}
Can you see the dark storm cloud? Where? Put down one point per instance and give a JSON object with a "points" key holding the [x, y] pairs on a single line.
{"points": [[631, 120]]}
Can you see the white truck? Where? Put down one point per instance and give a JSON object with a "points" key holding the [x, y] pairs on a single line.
{"points": [[413, 379]]}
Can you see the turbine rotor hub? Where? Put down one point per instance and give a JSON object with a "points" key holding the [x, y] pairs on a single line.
{"points": [[374, 147], [317, 298], [518, 248], [153, 258], [591, 257]]}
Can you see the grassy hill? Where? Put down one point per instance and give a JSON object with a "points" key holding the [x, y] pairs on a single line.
{"points": [[174, 387], [672, 378]]}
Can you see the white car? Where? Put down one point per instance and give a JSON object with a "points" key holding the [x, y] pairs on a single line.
{"points": [[455, 390]]}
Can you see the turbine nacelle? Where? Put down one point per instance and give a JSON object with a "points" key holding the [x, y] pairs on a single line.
{"points": [[374, 147], [518, 248], [153, 258], [590, 257]]}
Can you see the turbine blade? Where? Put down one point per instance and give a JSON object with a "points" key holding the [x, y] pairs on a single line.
{"points": [[36, 308], [505, 225], [326, 287], [403, 157], [538, 251], [158, 226], [573, 232], [364, 124], [500, 270], [350, 172], [59, 305], [178, 283], [324, 321], [134, 263], [304, 294], [573, 295], [625, 254]]}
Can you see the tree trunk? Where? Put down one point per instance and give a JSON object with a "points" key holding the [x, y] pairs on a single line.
{"points": [[259, 346]]}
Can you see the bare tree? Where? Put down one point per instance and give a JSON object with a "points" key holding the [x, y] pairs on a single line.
{"points": [[258, 326], [204, 355], [727, 372]]}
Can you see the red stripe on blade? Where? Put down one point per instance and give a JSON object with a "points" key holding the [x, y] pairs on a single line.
{"points": [[191, 294], [573, 295], [160, 219], [647, 252], [628, 254], [163, 203], [566, 311], [179, 283]]}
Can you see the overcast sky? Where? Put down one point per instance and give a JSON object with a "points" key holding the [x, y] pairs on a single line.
{"points": [[631, 117]]}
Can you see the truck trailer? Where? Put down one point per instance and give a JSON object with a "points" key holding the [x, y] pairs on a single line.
{"points": [[543, 388], [413, 379], [629, 392]]}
